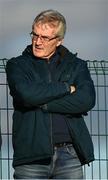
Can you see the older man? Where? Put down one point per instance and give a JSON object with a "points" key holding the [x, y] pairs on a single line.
{"points": [[52, 90]]}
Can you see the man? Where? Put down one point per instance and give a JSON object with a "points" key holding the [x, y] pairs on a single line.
{"points": [[52, 90]]}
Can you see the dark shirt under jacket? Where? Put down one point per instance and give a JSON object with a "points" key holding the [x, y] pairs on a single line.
{"points": [[59, 127]]}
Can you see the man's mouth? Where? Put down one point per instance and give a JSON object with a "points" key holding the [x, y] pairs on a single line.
{"points": [[38, 48]]}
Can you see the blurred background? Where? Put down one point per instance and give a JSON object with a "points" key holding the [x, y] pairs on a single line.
{"points": [[87, 34], [87, 25]]}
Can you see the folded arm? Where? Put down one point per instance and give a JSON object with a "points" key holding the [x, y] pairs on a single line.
{"points": [[29, 89], [81, 100]]}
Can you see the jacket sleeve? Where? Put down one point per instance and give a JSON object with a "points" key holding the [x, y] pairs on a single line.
{"points": [[81, 101], [31, 90]]}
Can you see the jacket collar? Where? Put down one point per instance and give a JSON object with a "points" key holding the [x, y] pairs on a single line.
{"points": [[61, 50], [65, 59]]}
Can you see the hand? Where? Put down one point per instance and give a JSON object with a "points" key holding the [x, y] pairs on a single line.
{"points": [[72, 88]]}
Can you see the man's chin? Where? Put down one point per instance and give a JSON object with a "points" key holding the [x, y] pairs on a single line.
{"points": [[37, 53]]}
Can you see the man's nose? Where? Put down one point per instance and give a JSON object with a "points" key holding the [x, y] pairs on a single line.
{"points": [[38, 40]]}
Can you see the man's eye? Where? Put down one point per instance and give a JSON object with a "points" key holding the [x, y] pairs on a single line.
{"points": [[45, 38], [35, 35]]}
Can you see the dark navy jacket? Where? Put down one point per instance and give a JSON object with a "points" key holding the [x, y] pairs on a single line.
{"points": [[36, 96]]}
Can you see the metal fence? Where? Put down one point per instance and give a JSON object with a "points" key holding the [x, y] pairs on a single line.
{"points": [[97, 122]]}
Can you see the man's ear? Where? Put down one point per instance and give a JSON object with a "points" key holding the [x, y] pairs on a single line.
{"points": [[60, 42]]}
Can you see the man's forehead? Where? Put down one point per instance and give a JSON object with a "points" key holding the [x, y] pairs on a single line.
{"points": [[45, 27]]}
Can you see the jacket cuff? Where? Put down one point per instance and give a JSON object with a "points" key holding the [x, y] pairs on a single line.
{"points": [[67, 87]]}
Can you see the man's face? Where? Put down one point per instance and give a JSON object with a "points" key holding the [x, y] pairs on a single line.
{"points": [[44, 41]]}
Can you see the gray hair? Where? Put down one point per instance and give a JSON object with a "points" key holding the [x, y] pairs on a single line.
{"points": [[54, 19]]}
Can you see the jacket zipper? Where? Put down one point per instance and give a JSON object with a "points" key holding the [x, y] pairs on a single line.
{"points": [[50, 115], [50, 79], [51, 133]]}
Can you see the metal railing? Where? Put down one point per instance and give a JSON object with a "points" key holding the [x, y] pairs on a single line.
{"points": [[97, 122]]}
